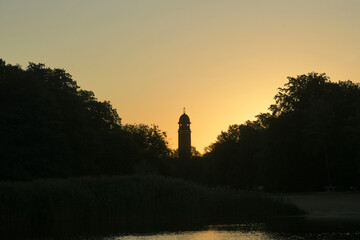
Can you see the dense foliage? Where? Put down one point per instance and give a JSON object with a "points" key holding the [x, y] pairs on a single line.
{"points": [[51, 128], [309, 140]]}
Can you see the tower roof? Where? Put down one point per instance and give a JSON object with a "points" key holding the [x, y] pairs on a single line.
{"points": [[184, 119]]}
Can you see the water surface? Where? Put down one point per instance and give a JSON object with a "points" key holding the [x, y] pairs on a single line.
{"points": [[320, 228]]}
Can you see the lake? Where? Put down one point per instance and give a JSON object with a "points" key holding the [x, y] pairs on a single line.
{"points": [[329, 228]]}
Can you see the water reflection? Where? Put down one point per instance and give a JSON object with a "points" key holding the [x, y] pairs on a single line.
{"points": [[296, 228], [281, 229], [236, 235], [200, 235]]}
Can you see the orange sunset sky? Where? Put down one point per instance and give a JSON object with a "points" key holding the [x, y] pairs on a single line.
{"points": [[222, 60]]}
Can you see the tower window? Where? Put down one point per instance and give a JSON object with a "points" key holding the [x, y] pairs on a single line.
{"points": [[187, 125], [180, 125]]}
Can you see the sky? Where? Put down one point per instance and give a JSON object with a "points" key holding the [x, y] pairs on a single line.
{"points": [[221, 60]]}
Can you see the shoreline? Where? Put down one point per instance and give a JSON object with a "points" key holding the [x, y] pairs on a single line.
{"points": [[327, 204]]}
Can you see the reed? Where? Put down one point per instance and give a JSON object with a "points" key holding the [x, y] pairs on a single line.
{"points": [[126, 203]]}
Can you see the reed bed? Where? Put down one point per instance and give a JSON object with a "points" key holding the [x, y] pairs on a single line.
{"points": [[126, 203]]}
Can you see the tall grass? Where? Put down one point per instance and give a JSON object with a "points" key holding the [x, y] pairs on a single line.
{"points": [[125, 203]]}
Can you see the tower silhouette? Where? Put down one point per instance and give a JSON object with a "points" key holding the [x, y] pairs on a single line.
{"points": [[184, 132]]}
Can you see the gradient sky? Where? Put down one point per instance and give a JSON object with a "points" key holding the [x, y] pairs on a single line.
{"points": [[222, 60]]}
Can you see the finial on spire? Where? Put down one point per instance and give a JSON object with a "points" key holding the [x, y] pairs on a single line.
{"points": [[184, 109]]}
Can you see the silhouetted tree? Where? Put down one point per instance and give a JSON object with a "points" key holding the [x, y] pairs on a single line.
{"points": [[234, 155], [309, 140], [152, 146], [52, 128]]}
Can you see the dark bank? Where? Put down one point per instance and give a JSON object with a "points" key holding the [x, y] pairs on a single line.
{"points": [[90, 205]]}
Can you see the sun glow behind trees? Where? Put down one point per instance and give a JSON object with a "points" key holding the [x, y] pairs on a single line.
{"points": [[223, 60]]}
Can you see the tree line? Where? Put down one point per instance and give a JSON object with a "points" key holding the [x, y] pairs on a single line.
{"points": [[309, 140], [50, 127]]}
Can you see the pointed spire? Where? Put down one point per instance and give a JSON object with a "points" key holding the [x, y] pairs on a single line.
{"points": [[184, 109]]}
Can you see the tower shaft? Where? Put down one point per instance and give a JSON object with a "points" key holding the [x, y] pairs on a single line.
{"points": [[184, 147], [184, 132]]}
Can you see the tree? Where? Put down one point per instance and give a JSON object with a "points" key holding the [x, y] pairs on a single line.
{"points": [[50, 127], [234, 155], [152, 146], [309, 139], [299, 92]]}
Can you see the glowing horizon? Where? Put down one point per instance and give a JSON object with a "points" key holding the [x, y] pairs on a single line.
{"points": [[222, 60]]}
